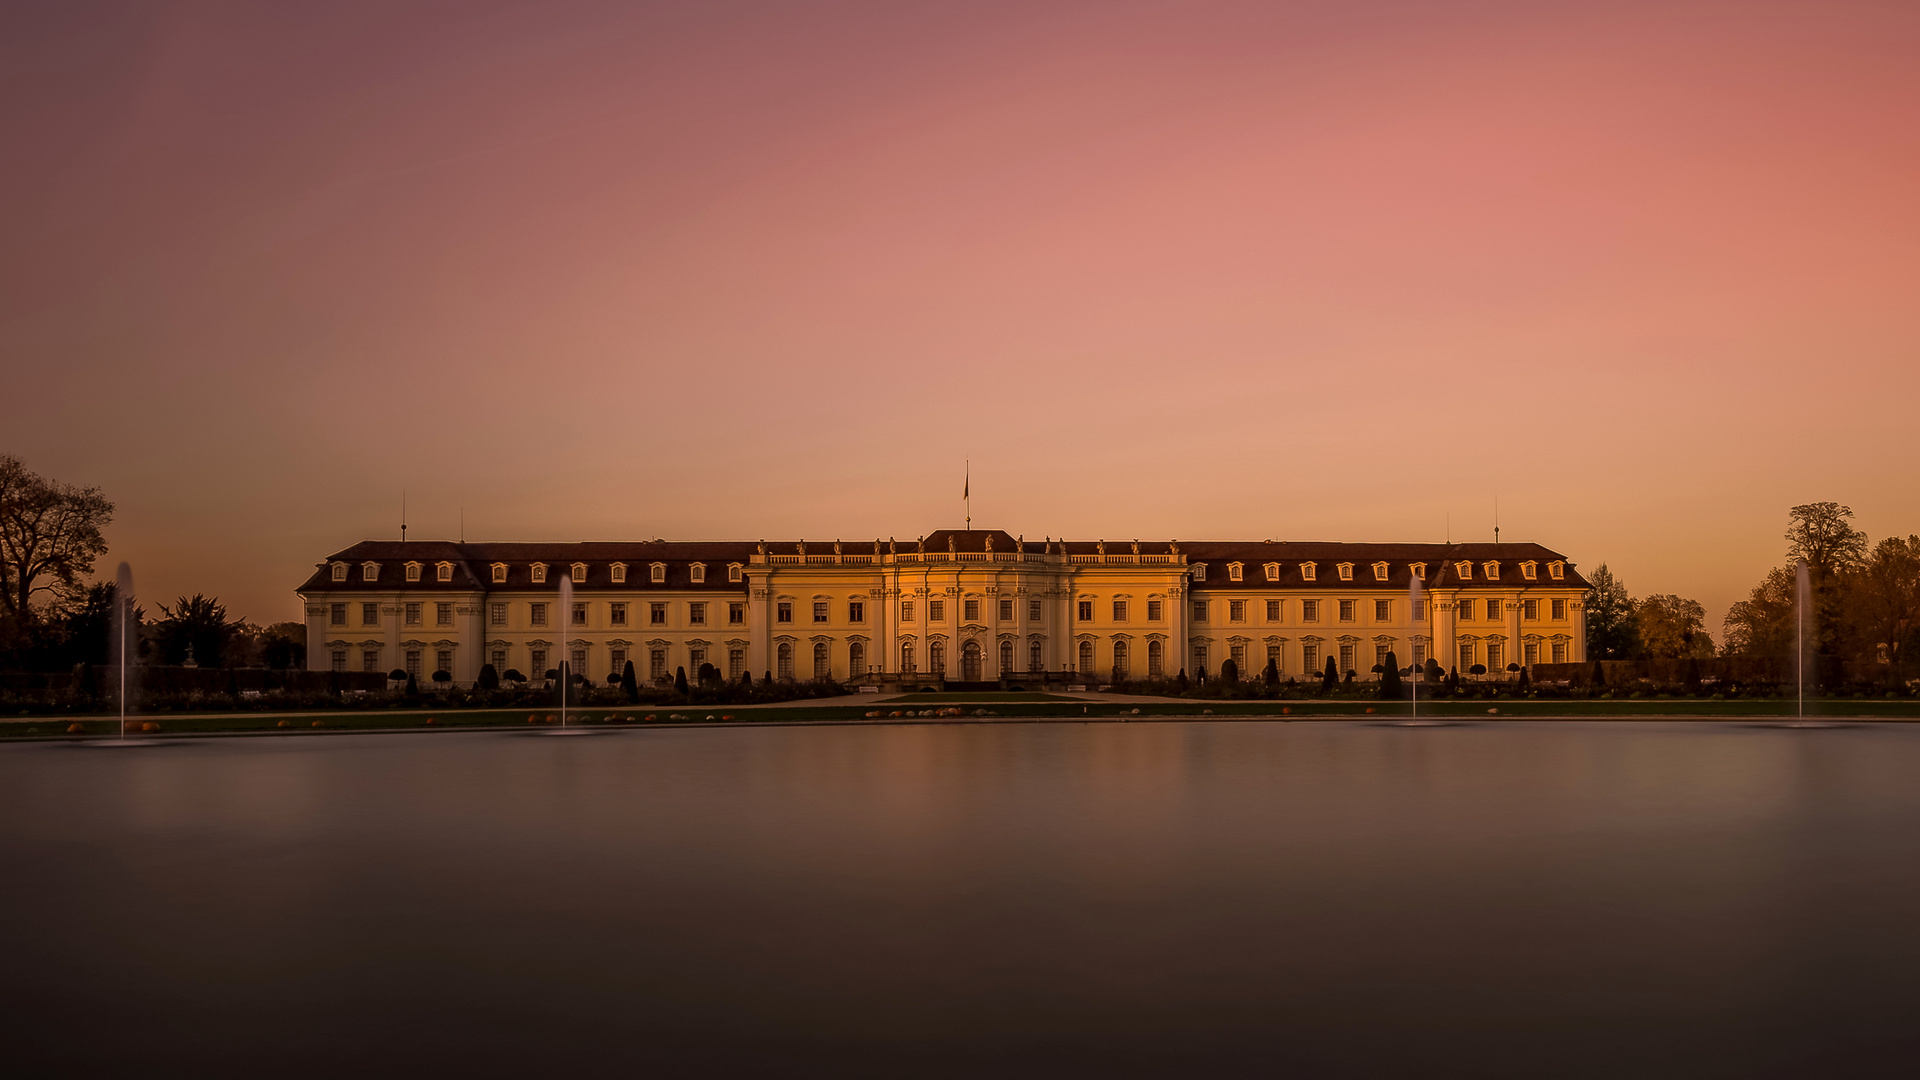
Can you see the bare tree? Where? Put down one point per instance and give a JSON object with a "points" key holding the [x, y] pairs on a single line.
{"points": [[49, 535]]}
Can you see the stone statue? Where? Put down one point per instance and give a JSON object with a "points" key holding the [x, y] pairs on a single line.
{"points": [[1136, 547], [1020, 544], [952, 546], [802, 547], [876, 547], [836, 546], [763, 547], [989, 543], [920, 545], [1173, 547], [892, 548], [1100, 548]]}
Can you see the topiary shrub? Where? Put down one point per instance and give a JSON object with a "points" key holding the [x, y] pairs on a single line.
{"points": [[489, 678]]}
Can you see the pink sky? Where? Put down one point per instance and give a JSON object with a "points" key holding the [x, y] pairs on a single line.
{"points": [[1649, 273]]}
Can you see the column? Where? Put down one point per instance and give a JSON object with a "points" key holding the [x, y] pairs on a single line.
{"points": [[759, 624], [990, 664], [1516, 652], [469, 616], [1446, 651], [1576, 610]]}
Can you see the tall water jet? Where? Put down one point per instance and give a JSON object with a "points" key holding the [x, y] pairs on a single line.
{"points": [[122, 616], [1415, 594], [566, 624], [1802, 594]]}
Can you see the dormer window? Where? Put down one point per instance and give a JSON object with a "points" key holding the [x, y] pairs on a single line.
{"points": [[697, 573], [413, 571], [1464, 569], [1380, 572], [1199, 571], [1529, 570], [1307, 571], [1492, 569], [1235, 571], [499, 573], [1419, 570], [657, 573], [579, 573], [443, 571], [734, 572], [1346, 571], [539, 571], [1273, 571], [617, 573], [1556, 570], [339, 571], [370, 571]]}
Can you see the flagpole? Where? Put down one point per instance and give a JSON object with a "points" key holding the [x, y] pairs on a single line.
{"points": [[966, 493]]}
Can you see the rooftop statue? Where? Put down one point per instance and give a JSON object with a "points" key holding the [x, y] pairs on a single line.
{"points": [[801, 547], [1136, 547], [1020, 544], [989, 543]]}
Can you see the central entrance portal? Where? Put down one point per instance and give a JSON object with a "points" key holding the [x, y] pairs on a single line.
{"points": [[970, 662]]}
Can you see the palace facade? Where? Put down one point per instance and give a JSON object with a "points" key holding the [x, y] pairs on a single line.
{"points": [[955, 606]]}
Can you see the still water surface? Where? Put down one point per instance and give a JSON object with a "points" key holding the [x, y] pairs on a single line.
{"points": [[1526, 899]]}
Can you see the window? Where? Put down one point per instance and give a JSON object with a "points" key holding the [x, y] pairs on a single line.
{"points": [[1006, 611], [1380, 657], [369, 659], [1493, 610], [577, 662], [1496, 657], [783, 611], [1119, 611], [1199, 571], [1419, 570], [1156, 660], [1346, 657], [412, 664], [936, 612], [1346, 611], [1492, 570], [1199, 611], [1121, 669], [1310, 611], [1559, 652], [1200, 659], [906, 611], [822, 661], [443, 571], [937, 658], [697, 613], [1559, 609], [617, 573], [370, 572], [616, 661], [736, 663], [1154, 613], [1234, 571], [906, 658], [1556, 570], [1086, 657], [412, 613], [1083, 610], [1307, 571], [1346, 574], [369, 614], [499, 573], [1006, 657], [697, 573], [856, 659], [970, 610], [657, 665], [1380, 571], [656, 614], [1273, 610], [443, 661], [336, 614], [1272, 571], [1419, 653], [413, 571], [1277, 657], [496, 614], [617, 614], [1530, 653], [498, 658], [1310, 657], [1419, 611], [1530, 570], [736, 614], [1237, 652], [1530, 609], [1464, 609], [657, 573], [1036, 660], [538, 613], [579, 573], [1236, 611], [443, 614], [539, 664], [1464, 569], [733, 573], [1033, 611], [1383, 611], [339, 571], [579, 615], [856, 611], [1466, 655], [819, 611], [538, 573], [784, 661]]}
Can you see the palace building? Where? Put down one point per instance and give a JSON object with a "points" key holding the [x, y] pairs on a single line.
{"points": [[957, 606]]}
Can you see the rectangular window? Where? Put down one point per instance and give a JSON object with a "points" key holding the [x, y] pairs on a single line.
{"points": [[1530, 609], [443, 614], [1033, 611], [1383, 611], [1277, 657], [1199, 611], [1273, 610], [1346, 658], [1310, 612], [617, 614], [906, 611], [1496, 657], [537, 614], [413, 663], [1465, 610], [1200, 659], [579, 614], [413, 613], [1119, 611], [1466, 655], [578, 662], [369, 659], [1559, 652], [443, 661], [1236, 611], [1310, 657], [498, 658], [337, 615], [657, 665], [1084, 611], [497, 615], [1530, 653], [970, 610], [1493, 610], [617, 661], [1006, 611], [1346, 611], [736, 663], [696, 659], [1559, 609], [936, 610], [736, 614], [1154, 611], [856, 611], [538, 664], [1380, 657], [1419, 654], [819, 611], [783, 611], [656, 614], [697, 613], [369, 614], [1419, 611], [1239, 654]]}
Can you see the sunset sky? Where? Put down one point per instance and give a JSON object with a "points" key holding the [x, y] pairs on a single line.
{"points": [[1647, 273]]}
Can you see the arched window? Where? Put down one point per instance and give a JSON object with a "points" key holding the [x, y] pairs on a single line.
{"points": [[1120, 670], [937, 658], [786, 660], [1156, 660], [822, 665], [1006, 657], [1086, 657], [1036, 661], [856, 659], [906, 658]]}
